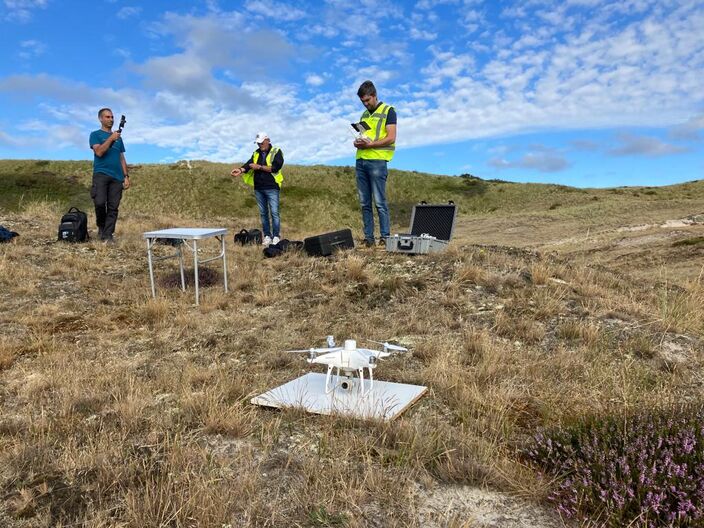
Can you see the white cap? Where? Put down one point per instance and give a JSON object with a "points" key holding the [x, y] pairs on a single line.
{"points": [[261, 137]]}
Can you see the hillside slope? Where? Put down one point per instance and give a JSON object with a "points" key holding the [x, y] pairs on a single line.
{"points": [[656, 230]]}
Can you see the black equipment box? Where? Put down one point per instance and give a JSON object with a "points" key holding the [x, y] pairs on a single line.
{"points": [[431, 229], [325, 244]]}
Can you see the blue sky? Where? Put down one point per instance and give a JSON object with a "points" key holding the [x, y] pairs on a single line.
{"points": [[579, 92]]}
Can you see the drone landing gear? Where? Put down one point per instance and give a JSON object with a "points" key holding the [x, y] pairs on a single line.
{"points": [[346, 382]]}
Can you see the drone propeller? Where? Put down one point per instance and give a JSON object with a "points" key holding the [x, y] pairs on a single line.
{"points": [[390, 346], [374, 353], [315, 350]]}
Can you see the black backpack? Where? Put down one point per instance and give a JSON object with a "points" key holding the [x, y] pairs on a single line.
{"points": [[253, 236], [74, 226]]}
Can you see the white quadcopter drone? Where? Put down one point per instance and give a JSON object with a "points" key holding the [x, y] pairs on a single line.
{"points": [[348, 359]]}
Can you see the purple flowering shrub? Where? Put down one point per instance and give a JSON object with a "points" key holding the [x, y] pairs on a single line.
{"points": [[645, 470]]}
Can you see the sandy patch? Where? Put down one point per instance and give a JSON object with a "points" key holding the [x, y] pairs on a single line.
{"points": [[691, 220], [473, 507]]}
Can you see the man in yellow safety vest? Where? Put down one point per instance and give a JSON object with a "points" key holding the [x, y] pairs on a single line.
{"points": [[375, 148], [263, 172]]}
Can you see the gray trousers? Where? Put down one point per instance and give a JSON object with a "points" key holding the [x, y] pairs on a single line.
{"points": [[106, 194]]}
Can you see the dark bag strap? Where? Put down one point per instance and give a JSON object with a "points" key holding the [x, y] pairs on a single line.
{"points": [[254, 235], [74, 209]]}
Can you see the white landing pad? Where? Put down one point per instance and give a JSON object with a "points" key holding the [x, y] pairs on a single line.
{"points": [[385, 401]]}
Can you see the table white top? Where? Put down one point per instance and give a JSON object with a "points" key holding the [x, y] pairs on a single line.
{"points": [[188, 233]]}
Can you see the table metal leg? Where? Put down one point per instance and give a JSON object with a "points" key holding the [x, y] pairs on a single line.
{"points": [[195, 265], [151, 267], [224, 261], [180, 261]]}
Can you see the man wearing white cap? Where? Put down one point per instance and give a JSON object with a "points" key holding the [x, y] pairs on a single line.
{"points": [[263, 172]]}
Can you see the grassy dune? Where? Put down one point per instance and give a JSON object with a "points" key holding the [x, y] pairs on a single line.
{"points": [[117, 409], [317, 197]]}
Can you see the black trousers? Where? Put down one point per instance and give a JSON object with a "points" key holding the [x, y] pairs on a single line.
{"points": [[106, 194]]}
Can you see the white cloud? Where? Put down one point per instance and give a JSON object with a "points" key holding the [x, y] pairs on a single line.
{"points": [[213, 43], [59, 135], [54, 88], [322, 30], [423, 24], [122, 53], [30, 49], [21, 10], [689, 130], [128, 11], [276, 10], [432, 4], [541, 160], [472, 20], [585, 144], [420, 34], [56, 136], [365, 23], [643, 73], [633, 145], [228, 40], [314, 80], [446, 65], [14, 142]]}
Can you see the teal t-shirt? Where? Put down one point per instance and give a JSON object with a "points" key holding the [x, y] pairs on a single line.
{"points": [[110, 162]]}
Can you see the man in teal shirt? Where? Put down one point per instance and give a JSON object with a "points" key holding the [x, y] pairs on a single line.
{"points": [[110, 174]]}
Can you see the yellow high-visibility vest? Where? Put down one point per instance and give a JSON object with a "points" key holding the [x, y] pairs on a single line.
{"points": [[377, 130], [248, 177]]}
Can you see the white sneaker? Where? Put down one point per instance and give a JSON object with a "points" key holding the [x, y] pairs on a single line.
{"points": [[275, 240], [266, 241]]}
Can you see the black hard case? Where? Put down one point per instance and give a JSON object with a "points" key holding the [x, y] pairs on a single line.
{"points": [[325, 244]]}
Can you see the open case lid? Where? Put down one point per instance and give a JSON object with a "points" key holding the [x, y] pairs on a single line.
{"points": [[437, 220]]}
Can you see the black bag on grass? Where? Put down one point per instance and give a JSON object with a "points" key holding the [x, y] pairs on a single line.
{"points": [[274, 250], [6, 235], [253, 236], [74, 226]]}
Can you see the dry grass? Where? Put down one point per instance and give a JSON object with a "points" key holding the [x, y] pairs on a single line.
{"points": [[117, 409]]}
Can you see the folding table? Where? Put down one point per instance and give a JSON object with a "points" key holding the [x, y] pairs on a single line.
{"points": [[185, 234]]}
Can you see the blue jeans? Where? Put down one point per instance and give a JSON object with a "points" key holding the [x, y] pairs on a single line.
{"points": [[371, 181], [268, 202]]}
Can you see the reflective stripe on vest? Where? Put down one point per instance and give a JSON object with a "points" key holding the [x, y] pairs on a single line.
{"points": [[377, 130], [248, 177]]}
